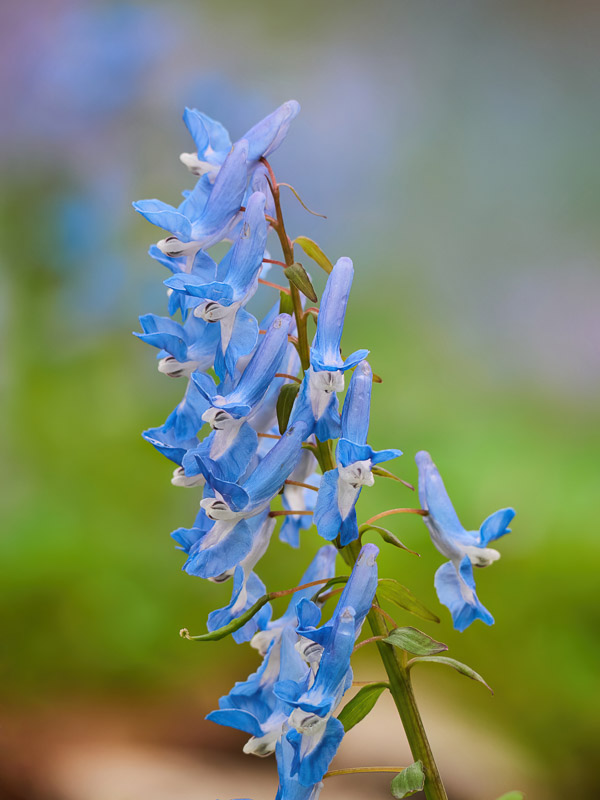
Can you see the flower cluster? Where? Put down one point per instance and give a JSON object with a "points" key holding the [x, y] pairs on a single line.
{"points": [[231, 438]]}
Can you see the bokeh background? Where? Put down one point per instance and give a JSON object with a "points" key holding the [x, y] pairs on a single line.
{"points": [[453, 147]]}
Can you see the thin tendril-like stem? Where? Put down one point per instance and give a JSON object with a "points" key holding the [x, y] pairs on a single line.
{"points": [[303, 485], [382, 514], [285, 375], [285, 513], [274, 286], [367, 641], [355, 770], [385, 614]]}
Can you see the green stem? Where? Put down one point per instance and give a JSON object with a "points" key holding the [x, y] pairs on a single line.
{"points": [[393, 660], [404, 697]]}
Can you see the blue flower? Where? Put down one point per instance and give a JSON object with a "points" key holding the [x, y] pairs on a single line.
{"points": [[247, 589], [234, 507], [207, 213], [262, 714], [315, 734], [222, 301], [199, 264], [317, 399], [290, 787], [183, 348], [454, 580], [213, 143], [340, 488]]}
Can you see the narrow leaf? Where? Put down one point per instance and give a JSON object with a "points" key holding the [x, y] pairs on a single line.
{"points": [[409, 781], [388, 537], [392, 591], [385, 473], [360, 705], [297, 275], [458, 666], [415, 641], [516, 795], [286, 305], [285, 401], [313, 250], [234, 625]]}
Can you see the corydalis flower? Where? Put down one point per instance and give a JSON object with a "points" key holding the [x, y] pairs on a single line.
{"points": [[315, 734], [340, 488], [454, 581], [213, 143], [317, 402]]}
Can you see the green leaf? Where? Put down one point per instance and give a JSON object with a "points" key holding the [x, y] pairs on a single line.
{"points": [[297, 275], [390, 538], [385, 473], [286, 306], [389, 589], [285, 401], [457, 665], [415, 641], [516, 795], [360, 705], [313, 250], [409, 781], [234, 625]]}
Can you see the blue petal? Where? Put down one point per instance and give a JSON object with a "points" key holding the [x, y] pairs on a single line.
{"points": [[267, 135], [243, 261], [434, 497], [327, 516], [448, 588], [208, 134], [223, 555], [325, 352], [165, 334], [225, 199], [357, 405], [166, 217], [165, 440], [262, 367], [495, 526], [234, 718], [328, 426], [312, 766], [229, 466], [243, 340], [276, 466], [349, 528]]}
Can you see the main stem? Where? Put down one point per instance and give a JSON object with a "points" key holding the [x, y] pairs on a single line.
{"points": [[394, 660]]}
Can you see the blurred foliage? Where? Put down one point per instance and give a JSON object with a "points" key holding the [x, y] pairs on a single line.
{"points": [[92, 595]]}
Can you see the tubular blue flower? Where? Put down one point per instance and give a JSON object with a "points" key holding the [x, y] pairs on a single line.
{"points": [[222, 301], [317, 399], [199, 264], [340, 488], [213, 143], [290, 787], [264, 719], [234, 507], [235, 501], [247, 589], [183, 348], [322, 567], [207, 213], [315, 734], [454, 580]]}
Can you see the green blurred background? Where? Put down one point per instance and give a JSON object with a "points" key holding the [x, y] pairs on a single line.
{"points": [[453, 147]]}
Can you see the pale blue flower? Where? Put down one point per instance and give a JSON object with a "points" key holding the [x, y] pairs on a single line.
{"points": [[340, 488], [454, 580]]}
